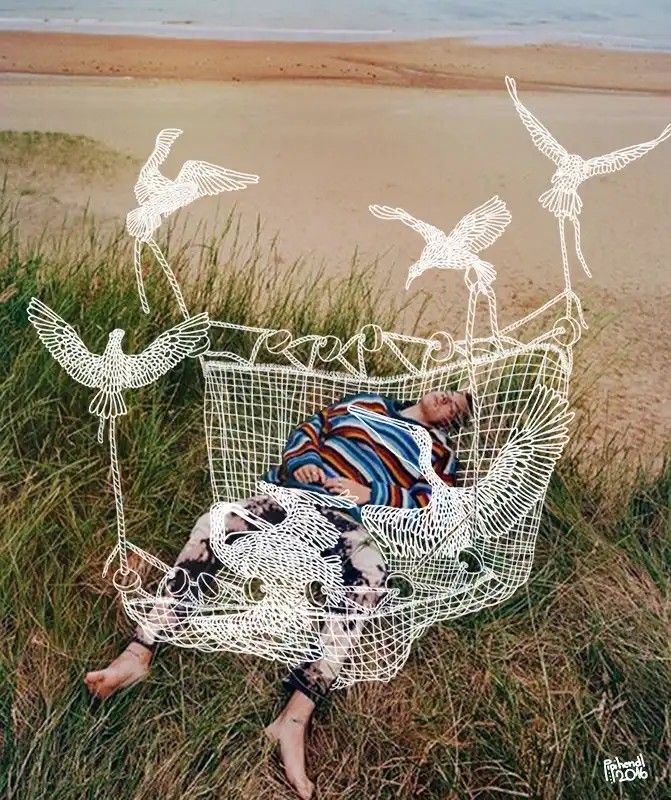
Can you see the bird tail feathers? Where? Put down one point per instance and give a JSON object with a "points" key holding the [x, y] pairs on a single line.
{"points": [[108, 404], [141, 223], [485, 272]]}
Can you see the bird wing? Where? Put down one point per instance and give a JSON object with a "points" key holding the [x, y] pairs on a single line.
{"points": [[423, 228], [540, 135], [402, 530], [189, 338], [481, 227], [150, 180], [520, 473], [212, 179], [611, 162], [64, 344]]}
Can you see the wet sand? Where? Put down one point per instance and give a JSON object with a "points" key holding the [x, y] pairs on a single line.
{"points": [[430, 63]]}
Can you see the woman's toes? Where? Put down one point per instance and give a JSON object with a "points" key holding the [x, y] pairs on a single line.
{"points": [[97, 685], [93, 678], [125, 670]]}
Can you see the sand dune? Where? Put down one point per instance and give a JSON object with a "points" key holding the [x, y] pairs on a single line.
{"points": [[325, 152]]}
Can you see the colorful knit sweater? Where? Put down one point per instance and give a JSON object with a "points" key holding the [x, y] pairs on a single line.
{"points": [[343, 446]]}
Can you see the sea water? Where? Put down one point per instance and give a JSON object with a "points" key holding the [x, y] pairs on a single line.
{"points": [[636, 24]]}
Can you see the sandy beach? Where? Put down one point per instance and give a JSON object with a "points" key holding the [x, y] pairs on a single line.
{"points": [[430, 63], [423, 125]]}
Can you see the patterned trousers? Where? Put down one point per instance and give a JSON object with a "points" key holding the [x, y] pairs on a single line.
{"points": [[362, 566]]}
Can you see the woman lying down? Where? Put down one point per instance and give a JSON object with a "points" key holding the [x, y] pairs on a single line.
{"points": [[334, 452]]}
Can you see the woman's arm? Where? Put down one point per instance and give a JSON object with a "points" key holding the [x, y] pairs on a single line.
{"points": [[302, 446], [391, 494], [419, 494]]}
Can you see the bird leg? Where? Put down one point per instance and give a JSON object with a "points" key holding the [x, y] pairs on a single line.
{"points": [[101, 428], [493, 320], [571, 296], [581, 257], [137, 258], [578, 306], [565, 266], [172, 280], [118, 498]]}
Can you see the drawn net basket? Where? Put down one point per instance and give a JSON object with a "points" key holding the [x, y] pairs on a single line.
{"points": [[252, 404]]}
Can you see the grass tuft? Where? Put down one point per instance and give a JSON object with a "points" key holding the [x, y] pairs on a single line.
{"points": [[52, 151]]}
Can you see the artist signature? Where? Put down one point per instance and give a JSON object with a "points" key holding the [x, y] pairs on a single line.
{"points": [[616, 771]]}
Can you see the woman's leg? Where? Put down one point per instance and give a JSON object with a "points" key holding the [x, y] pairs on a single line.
{"points": [[311, 681], [363, 566], [195, 559]]}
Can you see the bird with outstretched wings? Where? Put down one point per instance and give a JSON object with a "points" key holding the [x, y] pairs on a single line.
{"points": [[515, 482], [477, 230], [459, 249], [159, 197], [112, 371], [562, 198]]}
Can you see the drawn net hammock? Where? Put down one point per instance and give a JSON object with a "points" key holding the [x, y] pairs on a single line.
{"points": [[471, 547], [253, 402]]}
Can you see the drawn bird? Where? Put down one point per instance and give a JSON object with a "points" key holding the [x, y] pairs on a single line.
{"points": [[460, 518], [304, 531], [286, 557], [459, 249], [159, 197], [562, 198], [113, 370], [111, 373]]}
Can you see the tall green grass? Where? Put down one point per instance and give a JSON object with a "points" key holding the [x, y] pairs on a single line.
{"points": [[522, 700]]}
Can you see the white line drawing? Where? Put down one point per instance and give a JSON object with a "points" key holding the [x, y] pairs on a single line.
{"points": [[455, 518], [114, 371], [159, 197], [459, 249], [472, 546], [562, 198]]}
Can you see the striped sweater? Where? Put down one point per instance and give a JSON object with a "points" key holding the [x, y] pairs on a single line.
{"points": [[339, 443]]}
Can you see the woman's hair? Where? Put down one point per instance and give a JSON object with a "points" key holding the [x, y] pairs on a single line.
{"points": [[463, 419]]}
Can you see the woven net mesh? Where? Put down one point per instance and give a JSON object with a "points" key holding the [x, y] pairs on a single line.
{"points": [[251, 408]]}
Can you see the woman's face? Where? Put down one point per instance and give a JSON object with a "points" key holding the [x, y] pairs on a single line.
{"points": [[444, 408]]}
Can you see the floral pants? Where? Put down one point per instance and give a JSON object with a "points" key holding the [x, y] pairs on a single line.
{"points": [[362, 566]]}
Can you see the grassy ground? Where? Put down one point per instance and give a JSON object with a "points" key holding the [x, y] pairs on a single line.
{"points": [[47, 150], [522, 700]]}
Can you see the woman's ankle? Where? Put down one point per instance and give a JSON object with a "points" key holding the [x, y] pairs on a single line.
{"points": [[299, 709], [142, 652]]}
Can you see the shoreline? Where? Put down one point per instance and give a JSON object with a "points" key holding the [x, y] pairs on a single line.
{"points": [[189, 30], [448, 64]]}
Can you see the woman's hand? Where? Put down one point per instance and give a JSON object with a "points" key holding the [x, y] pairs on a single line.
{"points": [[341, 485], [310, 473]]}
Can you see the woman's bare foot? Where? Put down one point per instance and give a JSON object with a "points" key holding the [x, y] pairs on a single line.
{"points": [[127, 668], [289, 731]]}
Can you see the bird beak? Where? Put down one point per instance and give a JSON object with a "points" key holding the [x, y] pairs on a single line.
{"points": [[414, 272]]}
